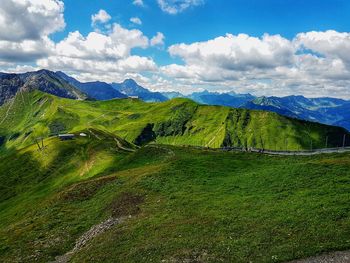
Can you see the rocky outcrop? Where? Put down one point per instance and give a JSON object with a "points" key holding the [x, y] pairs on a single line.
{"points": [[43, 80]]}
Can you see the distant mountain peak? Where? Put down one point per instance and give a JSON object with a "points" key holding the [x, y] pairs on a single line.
{"points": [[95, 89], [130, 81], [130, 87], [40, 71], [43, 80]]}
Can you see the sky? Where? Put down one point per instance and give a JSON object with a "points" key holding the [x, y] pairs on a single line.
{"points": [[262, 47]]}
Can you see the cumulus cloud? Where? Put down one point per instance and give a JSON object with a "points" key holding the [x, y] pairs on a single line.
{"points": [[25, 27], [105, 55], [312, 64], [138, 3], [329, 43], [26, 50], [237, 52], [114, 45], [101, 17], [136, 20], [158, 40], [174, 7], [30, 19], [224, 57]]}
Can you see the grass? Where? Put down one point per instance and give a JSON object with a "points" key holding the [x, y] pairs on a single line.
{"points": [[186, 204], [175, 122]]}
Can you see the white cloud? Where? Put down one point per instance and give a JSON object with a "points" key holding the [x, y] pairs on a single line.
{"points": [[136, 20], [30, 19], [237, 52], [25, 26], [329, 43], [114, 45], [26, 50], [174, 7], [158, 40], [103, 70], [20, 68], [101, 17], [270, 65], [106, 56], [138, 3], [225, 57]]}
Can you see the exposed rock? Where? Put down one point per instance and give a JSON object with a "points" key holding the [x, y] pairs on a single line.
{"points": [[88, 236]]}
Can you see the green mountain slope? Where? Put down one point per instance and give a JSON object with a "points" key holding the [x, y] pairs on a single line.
{"points": [[177, 204], [176, 122]]}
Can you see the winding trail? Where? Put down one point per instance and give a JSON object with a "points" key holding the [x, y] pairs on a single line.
{"points": [[97, 118], [8, 110], [215, 136], [310, 153], [285, 153], [120, 146], [95, 231], [94, 134]]}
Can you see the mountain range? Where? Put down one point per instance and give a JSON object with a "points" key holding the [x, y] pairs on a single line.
{"points": [[329, 111], [181, 121], [43, 80], [97, 90]]}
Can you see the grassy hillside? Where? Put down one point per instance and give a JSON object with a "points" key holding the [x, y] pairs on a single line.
{"points": [[180, 204], [175, 122]]}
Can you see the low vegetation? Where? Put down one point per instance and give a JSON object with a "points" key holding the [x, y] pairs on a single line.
{"points": [[176, 122], [181, 204], [101, 198]]}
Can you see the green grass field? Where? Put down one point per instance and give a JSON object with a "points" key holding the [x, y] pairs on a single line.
{"points": [[175, 122], [181, 204], [186, 205]]}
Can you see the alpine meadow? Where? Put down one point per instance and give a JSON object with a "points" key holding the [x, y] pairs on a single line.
{"points": [[174, 131]]}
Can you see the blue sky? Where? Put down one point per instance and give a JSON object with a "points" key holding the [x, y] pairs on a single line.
{"points": [[214, 18], [265, 47], [217, 17]]}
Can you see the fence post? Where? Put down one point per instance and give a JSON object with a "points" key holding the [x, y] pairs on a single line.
{"points": [[311, 144]]}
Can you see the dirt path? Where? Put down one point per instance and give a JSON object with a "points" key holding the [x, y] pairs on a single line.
{"points": [[88, 236], [214, 137], [8, 110], [290, 153], [23, 101], [120, 146], [335, 257], [94, 134], [316, 152], [97, 118]]}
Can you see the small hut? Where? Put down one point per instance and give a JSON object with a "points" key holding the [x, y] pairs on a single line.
{"points": [[66, 137]]}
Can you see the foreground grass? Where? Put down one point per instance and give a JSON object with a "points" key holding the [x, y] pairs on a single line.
{"points": [[186, 205]]}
